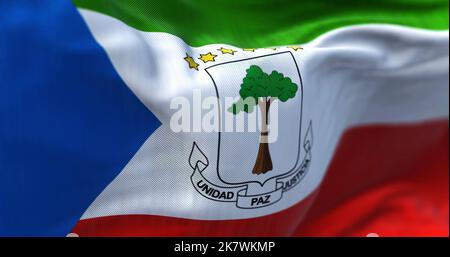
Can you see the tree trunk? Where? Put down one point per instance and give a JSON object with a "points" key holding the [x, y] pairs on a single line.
{"points": [[263, 161]]}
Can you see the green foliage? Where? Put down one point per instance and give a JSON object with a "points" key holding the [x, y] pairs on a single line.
{"points": [[242, 105], [258, 84]]}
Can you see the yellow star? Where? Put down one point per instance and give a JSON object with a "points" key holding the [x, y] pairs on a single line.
{"points": [[295, 48], [209, 57], [249, 49], [227, 51], [191, 62]]}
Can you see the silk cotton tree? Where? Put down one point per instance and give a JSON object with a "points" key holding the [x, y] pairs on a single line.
{"points": [[262, 90]]}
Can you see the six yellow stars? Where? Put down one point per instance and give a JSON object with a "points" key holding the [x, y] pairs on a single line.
{"points": [[209, 57]]}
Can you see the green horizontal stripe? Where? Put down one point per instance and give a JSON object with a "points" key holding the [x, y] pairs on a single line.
{"points": [[262, 23]]}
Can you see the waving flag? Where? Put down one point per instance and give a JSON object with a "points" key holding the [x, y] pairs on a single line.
{"points": [[238, 118]]}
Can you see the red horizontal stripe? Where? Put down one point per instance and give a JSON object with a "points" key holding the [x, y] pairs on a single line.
{"points": [[389, 180]]}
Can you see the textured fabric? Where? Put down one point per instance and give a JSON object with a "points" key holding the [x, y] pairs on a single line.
{"points": [[255, 23], [360, 75], [87, 102], [68, 124], [367, 192]]}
